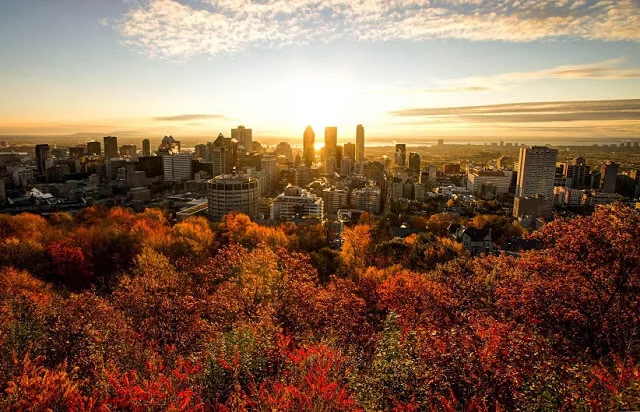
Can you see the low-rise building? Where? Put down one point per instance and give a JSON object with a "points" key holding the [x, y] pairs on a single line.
{"points": [[294, 203], [476, 241], [479, 179], [596, 197]]}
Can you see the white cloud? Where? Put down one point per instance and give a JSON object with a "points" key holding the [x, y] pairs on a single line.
{"points": [[605, 70], [538, 112], [174, 30]]}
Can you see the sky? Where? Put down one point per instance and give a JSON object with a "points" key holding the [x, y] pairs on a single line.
{"points": [[405, 69]]}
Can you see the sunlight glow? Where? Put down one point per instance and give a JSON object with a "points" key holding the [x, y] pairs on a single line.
{"points": [[319, 99]]}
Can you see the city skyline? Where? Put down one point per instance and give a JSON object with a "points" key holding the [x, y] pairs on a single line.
{"points": [[408, 71]]}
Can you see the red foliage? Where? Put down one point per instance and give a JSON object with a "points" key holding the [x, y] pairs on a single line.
{"points": [[68, 264], [309, 382], [38, 388], [436, 329], [156, 388], [418, 301], [616, 387]]}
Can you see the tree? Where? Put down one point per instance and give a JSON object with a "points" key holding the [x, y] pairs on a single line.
{"points": [[502, 229], [585, 285], [68, 264], [356, 248]]}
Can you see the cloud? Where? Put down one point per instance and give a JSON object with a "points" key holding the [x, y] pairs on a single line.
{"points": [[466, 89], [171, 29], [188, 117], [604, 70], [594, 110]]}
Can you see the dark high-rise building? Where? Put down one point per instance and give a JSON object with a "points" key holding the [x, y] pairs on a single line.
{"points": [[330, 142], [146, 147], [308, 146], [349, 151], [359, 143], [401, 155], [414, 162], [77, 151], [579, 174], [609, 176], [94, 147], [42, 154], [152, 166], [110, 147]]}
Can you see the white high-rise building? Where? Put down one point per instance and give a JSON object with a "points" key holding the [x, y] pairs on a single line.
{"points": [[295, 202], [233, 193], [334, 199], [536, 176], [177, 167]]}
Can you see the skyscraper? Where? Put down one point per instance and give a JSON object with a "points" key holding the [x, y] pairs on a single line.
{"points": [[110, 147], [608, 176], [578, 172], [93, 147], [401, 155], [222, 152], [359, 143], [330, 142], [349, 151], [414, 162], [269, 168], [244, 137], [42, 154], [536, 176], [284, 149], [146, 147], [308, 146], [177, 167]]}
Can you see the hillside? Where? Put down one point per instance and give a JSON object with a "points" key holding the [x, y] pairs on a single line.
{"points": [[112, 310]]}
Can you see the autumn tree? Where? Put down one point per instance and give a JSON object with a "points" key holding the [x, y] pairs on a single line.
{"points": [[585, 284], [356, 249]]}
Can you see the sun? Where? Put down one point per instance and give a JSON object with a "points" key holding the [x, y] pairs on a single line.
{"points": [[317, 99]]}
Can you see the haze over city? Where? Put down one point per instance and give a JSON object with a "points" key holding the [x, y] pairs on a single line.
{"points": [[319, 205], [408, 70]]}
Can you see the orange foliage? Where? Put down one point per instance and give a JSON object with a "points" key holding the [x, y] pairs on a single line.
{"points": [[38, 388], [356, 249], [200, 316]]}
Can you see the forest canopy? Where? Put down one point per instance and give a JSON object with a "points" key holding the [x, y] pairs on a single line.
{"points": [[115, 310]]}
